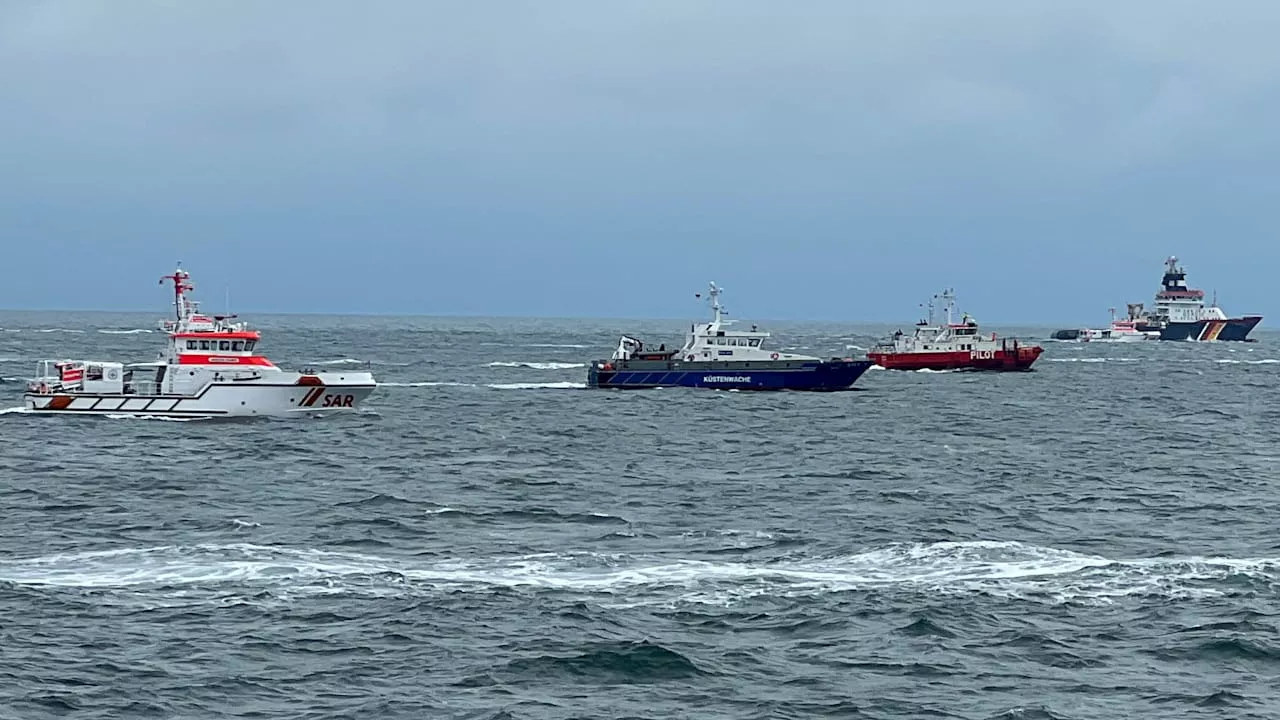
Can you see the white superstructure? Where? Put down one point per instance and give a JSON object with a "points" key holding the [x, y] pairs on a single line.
{"points": [[207, 369], [715, 341]]}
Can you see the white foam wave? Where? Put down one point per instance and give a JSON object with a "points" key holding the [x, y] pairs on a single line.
{"points": [[54, 330], [135, 331], [1231, 361], [557, 345], [152, 418], [1006, 569], [341, 361], [425, 384], [539, 365], [14, 410], [538, 386], [935, 372]]}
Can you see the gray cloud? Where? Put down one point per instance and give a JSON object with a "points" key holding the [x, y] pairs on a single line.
{"points": [[843, 118]]}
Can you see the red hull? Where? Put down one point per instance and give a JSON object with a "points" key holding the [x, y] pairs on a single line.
{"points": [[1020, 359]]}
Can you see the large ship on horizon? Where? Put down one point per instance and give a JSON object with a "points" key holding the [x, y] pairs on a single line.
{"points": [[1180, 313]]}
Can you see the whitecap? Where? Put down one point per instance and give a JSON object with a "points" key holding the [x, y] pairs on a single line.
{"points": [[538, 365], [1011, 570], [538, 386]]}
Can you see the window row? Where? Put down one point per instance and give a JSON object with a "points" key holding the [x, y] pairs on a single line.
{"points": [[221, 345], [736, 342]]}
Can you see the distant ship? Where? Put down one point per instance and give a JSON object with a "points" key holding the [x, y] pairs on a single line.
{"points": [[1180, 313], [717, 356], [1119, 330], [953, 346]]}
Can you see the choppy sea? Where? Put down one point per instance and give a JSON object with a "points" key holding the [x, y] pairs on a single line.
{"points": [[489, 539]]}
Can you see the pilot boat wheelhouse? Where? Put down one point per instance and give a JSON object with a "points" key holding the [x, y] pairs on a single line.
{"points": [[952, 346], [209, 368], [718, 355]]}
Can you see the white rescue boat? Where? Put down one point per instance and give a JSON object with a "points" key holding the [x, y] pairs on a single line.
{"points": [[207, 369]]}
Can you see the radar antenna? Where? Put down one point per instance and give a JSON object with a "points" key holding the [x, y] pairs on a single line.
{"points": [[713, 295], [181, 280]]}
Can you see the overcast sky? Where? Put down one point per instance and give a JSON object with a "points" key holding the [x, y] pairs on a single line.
{"points": [[821, 160]]}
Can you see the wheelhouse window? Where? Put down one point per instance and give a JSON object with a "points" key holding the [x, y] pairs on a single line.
{"points": [[248, 345], [237, 346], [204, 345], [192, 345], [224, 345], [755, 342]]}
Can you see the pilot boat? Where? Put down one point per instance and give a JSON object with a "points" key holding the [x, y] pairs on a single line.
{"points": [[208, 368], [952, 346], [716, 355]]}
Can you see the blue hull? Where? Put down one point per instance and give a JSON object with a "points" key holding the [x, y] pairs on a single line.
{"points": [[1231, 330], [827, 375]]}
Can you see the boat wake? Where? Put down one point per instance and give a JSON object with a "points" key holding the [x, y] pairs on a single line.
{"points": [[537, 386], [154, 418], [494, 386], [1093, 359], [1008, 570], [135, 331], [538, 365]]}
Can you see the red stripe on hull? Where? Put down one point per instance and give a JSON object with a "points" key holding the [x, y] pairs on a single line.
{"points": [[1020, 359], [214, 335], [186, 359]]}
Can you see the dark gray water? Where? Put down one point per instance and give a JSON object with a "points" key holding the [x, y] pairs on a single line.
{"points": [[1095, 539]]}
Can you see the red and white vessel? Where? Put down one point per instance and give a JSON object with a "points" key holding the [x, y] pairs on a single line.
{"points": [[952, 346], [1118, 331], [208, 369]]}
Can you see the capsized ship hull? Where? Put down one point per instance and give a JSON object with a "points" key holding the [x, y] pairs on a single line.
{"points": [[823, 375]]}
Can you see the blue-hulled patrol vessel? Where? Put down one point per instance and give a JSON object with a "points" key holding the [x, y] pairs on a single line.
{"points": [[716, 355]]}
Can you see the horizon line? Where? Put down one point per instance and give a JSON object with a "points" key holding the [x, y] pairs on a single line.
{"points": [[470, 316]]}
